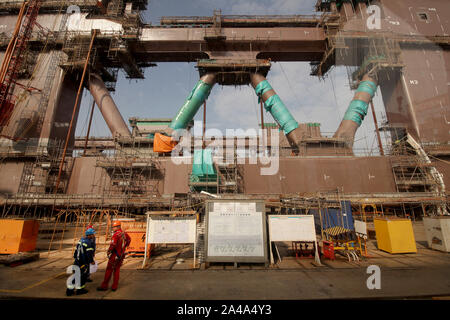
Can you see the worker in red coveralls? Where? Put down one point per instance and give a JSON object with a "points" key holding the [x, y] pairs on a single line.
{"points": [[116, 253]]}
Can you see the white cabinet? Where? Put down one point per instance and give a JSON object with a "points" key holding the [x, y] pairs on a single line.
{"points": [[437, 230]]}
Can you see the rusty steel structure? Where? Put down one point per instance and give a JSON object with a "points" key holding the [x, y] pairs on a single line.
{"points": [[45, 169]]}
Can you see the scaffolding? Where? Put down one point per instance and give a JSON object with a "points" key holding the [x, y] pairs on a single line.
{"points": [[214, 32], [41, 169], [360, 54], [14, 57], [230, 179], [383, 54], [411, 173], [130, 171]]}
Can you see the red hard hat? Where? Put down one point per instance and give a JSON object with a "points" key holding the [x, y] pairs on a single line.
{"points": [[116, 224], [89, 227]]}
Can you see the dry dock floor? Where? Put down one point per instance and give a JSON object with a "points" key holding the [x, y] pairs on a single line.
{"points": [[169, 275]]}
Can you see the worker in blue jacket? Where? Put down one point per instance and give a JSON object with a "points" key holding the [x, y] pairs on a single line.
{"points": [[93, 244], [84, 256]]}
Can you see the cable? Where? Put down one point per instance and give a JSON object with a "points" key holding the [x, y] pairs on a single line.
{"points": [[335, 97], [289, 83], [255, 103]]}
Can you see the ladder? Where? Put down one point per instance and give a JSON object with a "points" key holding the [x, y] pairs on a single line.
{"points": [[15, 60]]}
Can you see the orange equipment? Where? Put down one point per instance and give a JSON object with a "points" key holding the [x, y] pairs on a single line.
{"points": [[18, 235], [162, 143]]}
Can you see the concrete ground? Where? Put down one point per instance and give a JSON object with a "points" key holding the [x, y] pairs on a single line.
{"points": [[169, 275]]}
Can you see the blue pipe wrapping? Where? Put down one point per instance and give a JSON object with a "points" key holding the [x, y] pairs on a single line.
{"points": [[356, 111], [190, 107], [367, 86], [280, 113], [262, 88], [276, 107]]}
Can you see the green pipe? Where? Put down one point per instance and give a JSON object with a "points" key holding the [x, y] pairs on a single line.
{"points": [[190, 107], [276, 107], [357, 109]]}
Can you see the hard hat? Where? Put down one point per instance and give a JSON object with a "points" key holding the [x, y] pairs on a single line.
{"points": [[90, 231], [116, 224], [90, 227]]}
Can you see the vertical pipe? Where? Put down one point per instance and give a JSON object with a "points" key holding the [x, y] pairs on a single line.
{"points": [[75, 107], [89, 128], [262, 116], [204, 124], [376, 128]]}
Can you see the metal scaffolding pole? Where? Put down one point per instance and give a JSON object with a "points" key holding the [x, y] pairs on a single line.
{"points": [[89, 128], [75, 107], [376, 128]]}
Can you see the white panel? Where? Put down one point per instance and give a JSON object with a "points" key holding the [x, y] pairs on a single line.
{"points": [[235, 230], [292, 228], [171, 230], [437, 230], [361, 228]]}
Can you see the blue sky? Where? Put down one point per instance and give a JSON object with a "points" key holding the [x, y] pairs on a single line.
{"points": [[166, 86]]}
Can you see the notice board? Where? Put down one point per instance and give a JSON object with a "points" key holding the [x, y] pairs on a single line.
{"points": [[171, 230], [236, 231], [361, 229], [292, 228], [286, 228]]}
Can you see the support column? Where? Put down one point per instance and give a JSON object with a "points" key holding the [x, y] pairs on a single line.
{"points": [[277, 109], [107, 107], [357, 110]]}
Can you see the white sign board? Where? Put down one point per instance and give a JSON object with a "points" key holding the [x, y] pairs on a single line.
{"points": [[236, 229], [235, 234], [292, 228], [361, 229], [171, 230]]}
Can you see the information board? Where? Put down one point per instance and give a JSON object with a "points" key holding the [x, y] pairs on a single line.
{"points": [[284, 228], [292, 228], [236, 231], [171, 230], [361, 229]]}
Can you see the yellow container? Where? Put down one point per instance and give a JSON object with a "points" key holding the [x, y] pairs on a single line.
{"points": [[18, 235], [395, 235]]}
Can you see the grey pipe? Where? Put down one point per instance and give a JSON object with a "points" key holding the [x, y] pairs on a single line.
{"points": [[107, 107]]}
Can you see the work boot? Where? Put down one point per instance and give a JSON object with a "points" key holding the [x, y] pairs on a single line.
{"points": [[69, 292], [113, 289], [82, 291], [89, 280], [101, 289]]}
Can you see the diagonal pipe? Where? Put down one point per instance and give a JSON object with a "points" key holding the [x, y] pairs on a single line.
{"points": [[276, 107], [107, 107], [357, 110], [193, 102]]}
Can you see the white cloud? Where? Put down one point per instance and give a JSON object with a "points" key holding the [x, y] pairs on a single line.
{"points": [[256, 7], [307, 98]]}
